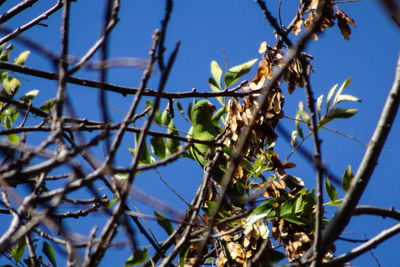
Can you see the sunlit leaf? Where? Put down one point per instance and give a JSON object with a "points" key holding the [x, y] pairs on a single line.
{"points": [[49, 252], [29, 96], [164, 222], [319, 104], [293, 141], [234, 73], [265, 210], [335, 203], [13, 138], [337, 113], [214, 88], [347, 179], [343, 98], [339, 91], [216, 72], [137, 258], [328, 98], [263, 47], [331, 190], [297, 123], [172, 144], [20, 60], [303, 113], [157, 115], [48, 105]]}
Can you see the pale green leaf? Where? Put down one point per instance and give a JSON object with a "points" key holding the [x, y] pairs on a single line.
{"points": [[339, 91], [29, 96], [20, 60], [343, 98], [328, 98], [216, 72], [319, 104], [234, 73]]}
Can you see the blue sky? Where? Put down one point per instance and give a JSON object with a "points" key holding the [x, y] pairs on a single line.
{"points": [[206, 29]]}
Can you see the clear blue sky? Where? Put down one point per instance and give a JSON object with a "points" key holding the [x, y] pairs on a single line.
{"points": [[206, 28]]}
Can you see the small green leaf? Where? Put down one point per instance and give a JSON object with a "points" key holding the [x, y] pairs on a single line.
{"points": [[189, 111], [331, 190], [144, 157], [319, 104], [48, 105], [328, 98], [335, 203], [217, 116], [297, 123], [339, 91], [29, 96], [49, 252], [157, 115], [164, 222], [343, 98], [18, 251], [158, 147], [214, 88], [293, 137], [347, 179], [11, 85], [180, 108], [238, 71], [336, 113], [13, 138], [303, 113], [137, 258], [112, 202], [263, 211], [183, 253], [216, 72], [20, 60]]}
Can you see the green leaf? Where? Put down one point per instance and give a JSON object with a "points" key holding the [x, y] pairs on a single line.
{"points": [[303, 113], [183, 253], [144, 157], [180, 108], [28, 97], [293, 137], [319, 104], [164, 222], [331, 190], [339, 92], [49, 252], [11, 85], [335, 203], [13, 138], [18, 251], [265, 210], [216, 72], [157, 115], [343, 98], [137, 258], [112, 202], [158, 147], [328, 98], [214, 88], [20, 60], [337, 113], [234, 73], [347, 179], [48, 105], [189, 111], [297, 123], [9, 116]]}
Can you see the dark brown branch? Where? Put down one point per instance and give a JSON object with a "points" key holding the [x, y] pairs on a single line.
{"points": [[384, 213]]}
